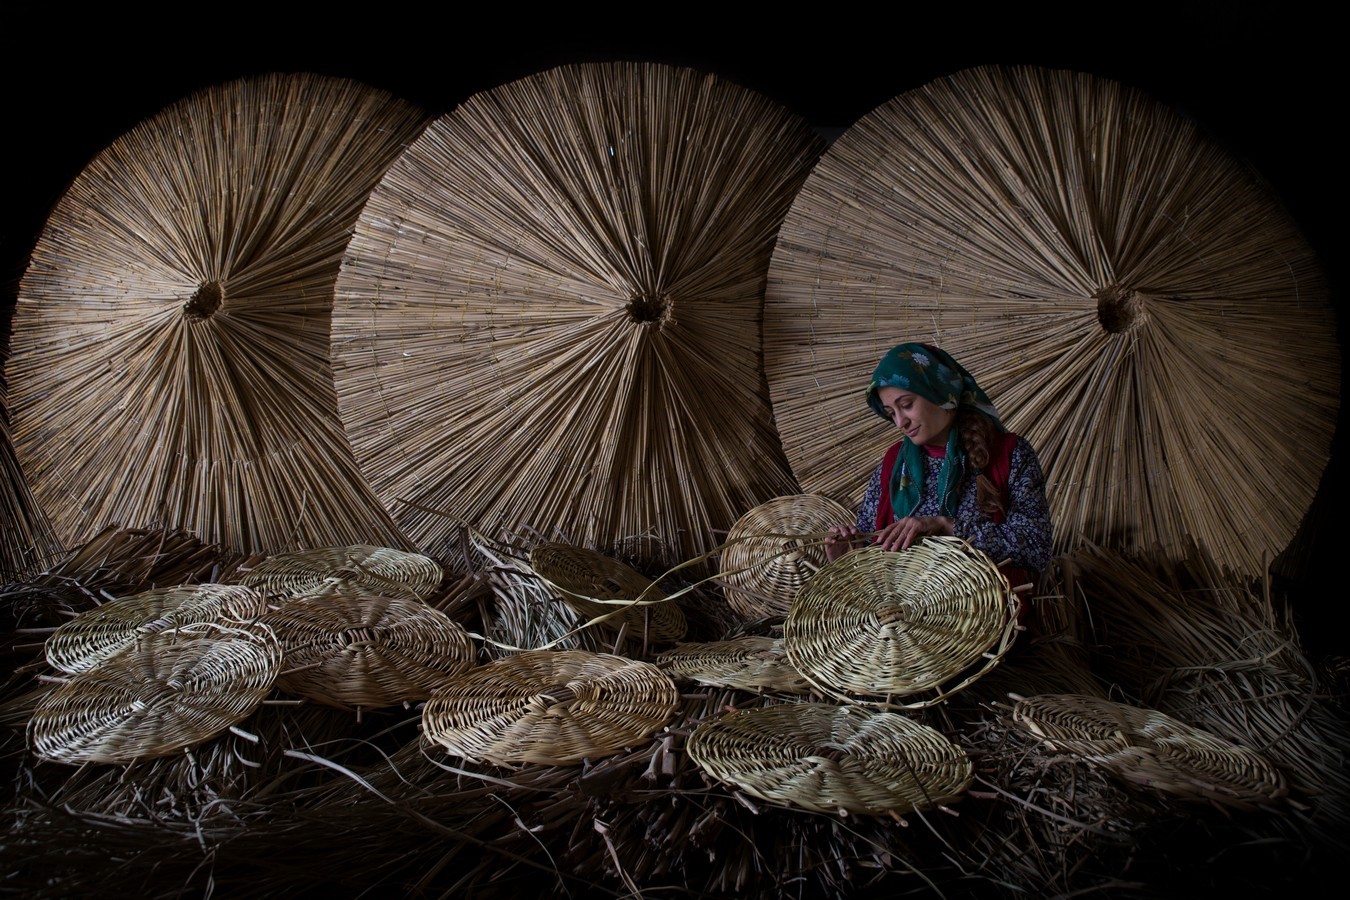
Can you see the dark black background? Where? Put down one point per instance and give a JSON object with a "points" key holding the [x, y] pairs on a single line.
{"points": [[1262, 79]]}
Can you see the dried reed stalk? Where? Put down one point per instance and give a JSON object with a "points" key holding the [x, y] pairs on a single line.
{"points": [[27, 543], [550, 311], [169, 361], [1128, 293]]}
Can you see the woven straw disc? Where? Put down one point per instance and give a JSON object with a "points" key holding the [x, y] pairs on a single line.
{"points": [[763, 566], [881, 623], [832, 758], [549, 707], [94, 636], [173, 689], [1115, 281], [1147, 747], [585, 578], [357, 650], [381, 570], [750, 663], [169, 358], [550, 312]]}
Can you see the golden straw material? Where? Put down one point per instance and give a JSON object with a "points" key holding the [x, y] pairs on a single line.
{"points": [[550, 311], [549, 707], [170, 344], [94, 636], [765, 563], [381, 570], [596, 585], [1150, 748], [173, 689], [835, 759], [1115, 281], [356, 650], [749, 663], [877, 624]]}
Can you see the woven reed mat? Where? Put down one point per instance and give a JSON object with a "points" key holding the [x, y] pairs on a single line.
{"points": [[766, 562], [382, 570], [875, 624], [607, 592], [171, 690], [549, 707], [749, 663], [836, 759], [1146, 747], [98, 634], [358, 650]]}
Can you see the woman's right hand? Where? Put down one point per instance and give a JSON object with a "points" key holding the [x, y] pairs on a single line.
{"points": [[840, 541]]}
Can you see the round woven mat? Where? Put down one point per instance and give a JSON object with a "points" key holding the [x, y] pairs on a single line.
{"points": [[750, 663], [94, 636], [1150, 748], [763, 564], [379, 569], [832, 758], [549, 707], [171, 690], [598, 585], [357, 650], [880, 624]]}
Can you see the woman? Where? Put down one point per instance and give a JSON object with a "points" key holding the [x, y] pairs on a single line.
{"points": [[956, 470]]}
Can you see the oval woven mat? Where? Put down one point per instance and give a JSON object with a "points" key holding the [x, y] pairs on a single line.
{"points": [[382, 570], [358, 650], [882, 624], [101, 633], [552, 707], [1149, 748], [597, 585], [832, 758], [749, 663], [763, 565], [170, 690]]}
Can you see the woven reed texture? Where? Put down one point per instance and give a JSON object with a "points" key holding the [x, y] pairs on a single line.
{"points": [[1114, 280], [549, 707], [1150, 748], [550, 312], [765, 561], [603, 588], [118, 625], [748, 663], [357, 650], [381, 570], [172, 690], [170, 356], [882, 624], [832, 759]]}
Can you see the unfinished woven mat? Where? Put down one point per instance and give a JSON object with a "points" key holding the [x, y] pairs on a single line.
{"points": [[835, 759], [171, 690], [1146, 747], [358, 650], [551, 707], [596, 586], [876, 624], [382, 570], [750, 663], [94, 636], [766, 562]]}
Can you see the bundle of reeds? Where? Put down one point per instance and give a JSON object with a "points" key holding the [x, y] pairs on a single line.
{"points": [[27, 543], [1130, 295]]}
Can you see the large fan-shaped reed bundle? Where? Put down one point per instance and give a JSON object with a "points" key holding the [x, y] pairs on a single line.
{"points": [[27, 545], [1136, 302], [550, 311], [170, 342]]}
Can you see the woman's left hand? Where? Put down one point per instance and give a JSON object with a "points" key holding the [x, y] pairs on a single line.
{"points": [[901, 533]]}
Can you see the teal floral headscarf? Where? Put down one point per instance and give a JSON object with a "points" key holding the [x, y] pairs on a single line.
{"points": [[932, 374]]}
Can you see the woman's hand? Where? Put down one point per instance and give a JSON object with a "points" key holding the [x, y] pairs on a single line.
{"points": [[901, 533], [840, 541]]}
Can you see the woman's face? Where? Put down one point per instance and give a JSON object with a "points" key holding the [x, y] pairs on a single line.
{"points": [[924, 421]]}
